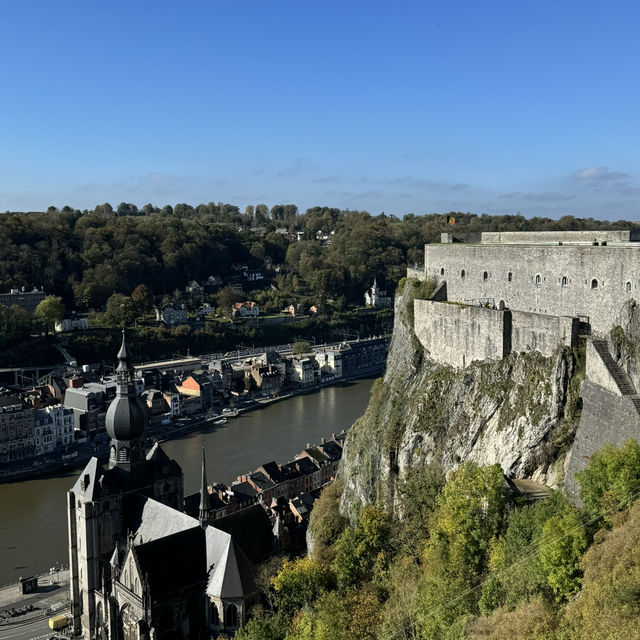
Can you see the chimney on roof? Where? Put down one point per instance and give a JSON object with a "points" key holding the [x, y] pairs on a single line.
{"points": [[308, 446], [322, 440]]}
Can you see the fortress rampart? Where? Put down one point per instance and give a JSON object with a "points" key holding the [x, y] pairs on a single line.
{"points": [[589, 281], [554, 237]]}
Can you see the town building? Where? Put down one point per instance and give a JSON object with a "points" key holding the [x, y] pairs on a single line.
{"points": [[172, 314], [245, 309], [375, 297], [53, 429], [73, 321], [17, 436], [28, 300]]}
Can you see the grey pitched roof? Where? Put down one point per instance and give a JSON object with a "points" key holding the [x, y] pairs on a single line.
{"points": [[231, 574], [251, 529], [149, 519], [94, 483]]}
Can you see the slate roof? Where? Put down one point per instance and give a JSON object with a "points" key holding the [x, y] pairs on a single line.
{"points": [[97, 482], [251, 529], [231, 574], [171, 563], [273, 472], [306, 466], [261, 482], [332, 450], [150, 520]]}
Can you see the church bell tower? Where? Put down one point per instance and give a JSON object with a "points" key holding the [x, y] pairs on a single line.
{"points": [[126, 420]]}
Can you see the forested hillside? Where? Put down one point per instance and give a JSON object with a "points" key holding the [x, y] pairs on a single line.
{"points": [[86, 256], [468, 561]]}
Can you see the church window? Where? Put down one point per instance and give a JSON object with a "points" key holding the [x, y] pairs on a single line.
{"points": [[231, 616], [594, 283], [538, 279], [462, 273], [628, 287], [564, 281], [485, 275], [510, 276]]}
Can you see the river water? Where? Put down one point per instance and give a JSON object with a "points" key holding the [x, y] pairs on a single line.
{"points": [[33, 524]]}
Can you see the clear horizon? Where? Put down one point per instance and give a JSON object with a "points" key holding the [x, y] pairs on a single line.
{"points": [[408, 108]]}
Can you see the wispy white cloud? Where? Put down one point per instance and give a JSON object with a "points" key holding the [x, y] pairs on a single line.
{"points": [[600, 174]]}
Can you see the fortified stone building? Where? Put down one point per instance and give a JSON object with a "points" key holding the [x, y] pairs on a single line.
{"points": [[517, 291], [521, 291]]}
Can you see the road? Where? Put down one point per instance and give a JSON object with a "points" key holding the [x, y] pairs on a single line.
{"points": [[34, 631]]}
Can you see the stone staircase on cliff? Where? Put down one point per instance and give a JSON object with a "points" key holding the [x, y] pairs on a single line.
{"points": [[621, 379]]}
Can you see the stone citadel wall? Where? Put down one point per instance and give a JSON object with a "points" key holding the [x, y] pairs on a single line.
{"points": [[548, 237], [606, 417], [591, 281], [457, 335]]}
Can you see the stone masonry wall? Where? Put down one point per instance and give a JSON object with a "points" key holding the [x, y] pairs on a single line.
{"points": [[553, 280], [606, 417], [597, 371], [529, 237], [457, 335], [543, 333]]}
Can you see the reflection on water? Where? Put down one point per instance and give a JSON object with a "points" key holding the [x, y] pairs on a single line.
{"points": [[33, 525]]}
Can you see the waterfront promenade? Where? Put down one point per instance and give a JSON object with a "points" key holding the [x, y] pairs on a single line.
{"points": [[52, 598]]}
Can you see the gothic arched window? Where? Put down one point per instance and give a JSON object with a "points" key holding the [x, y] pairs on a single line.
{"points": [[231, 616], [594, 283]]}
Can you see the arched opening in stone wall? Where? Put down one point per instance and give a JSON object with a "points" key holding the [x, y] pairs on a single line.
{"points": [[510, 276], [594, 283], [538, 279], [214, 615], [485, 275], [628, 287], [501, 305], [441, 272], [231, 616], [463, 273], [564, 281]]}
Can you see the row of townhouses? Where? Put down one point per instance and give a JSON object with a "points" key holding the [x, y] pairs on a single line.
{"points": [[50, 419]]}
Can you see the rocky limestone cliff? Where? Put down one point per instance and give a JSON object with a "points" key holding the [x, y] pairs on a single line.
{"points": [[520, 412]]}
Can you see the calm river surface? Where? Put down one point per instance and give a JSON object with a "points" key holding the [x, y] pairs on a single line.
{"points": [[33, 523]]}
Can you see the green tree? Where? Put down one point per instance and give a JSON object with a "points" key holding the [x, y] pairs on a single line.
{"points": [[141, 295], [299, 583], [326, 522], [563, 542], [298, 348], [120, 311], [227, 297], [611, 480], [48, 312]]}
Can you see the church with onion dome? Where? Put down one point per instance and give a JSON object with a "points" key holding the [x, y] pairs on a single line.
{"points": [[140, 567]]}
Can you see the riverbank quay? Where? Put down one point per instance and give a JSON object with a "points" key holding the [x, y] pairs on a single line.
{"points": [[51, 598]]}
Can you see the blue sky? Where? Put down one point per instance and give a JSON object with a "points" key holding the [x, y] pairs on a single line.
{"points": [[401, 107]]}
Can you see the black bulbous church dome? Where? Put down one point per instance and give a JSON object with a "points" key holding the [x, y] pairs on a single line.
{"points": [[126, 417]]}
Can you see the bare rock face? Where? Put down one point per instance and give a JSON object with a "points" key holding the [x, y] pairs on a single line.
{"points": [[520, 412]]}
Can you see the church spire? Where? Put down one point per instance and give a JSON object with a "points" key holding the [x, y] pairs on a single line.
{"points": [[205, 504], [126, 417]]}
